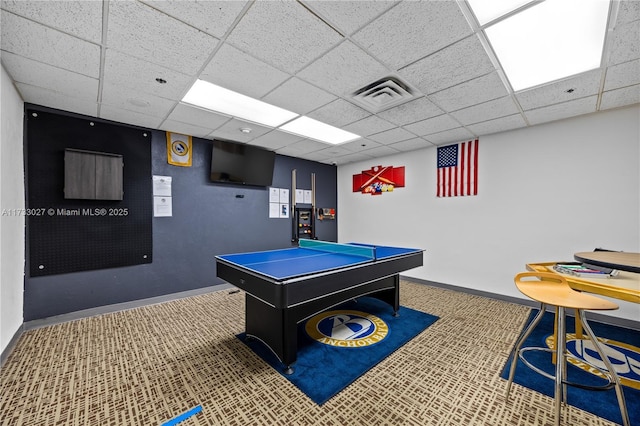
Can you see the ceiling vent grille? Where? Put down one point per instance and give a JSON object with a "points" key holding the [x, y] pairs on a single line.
{"points": [[383, 94]]}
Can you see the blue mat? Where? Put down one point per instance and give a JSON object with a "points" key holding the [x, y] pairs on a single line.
{"points": [[323, 369], [601, 403]]}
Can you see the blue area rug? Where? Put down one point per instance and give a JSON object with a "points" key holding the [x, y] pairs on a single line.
{"points": [[601, 403], [353, 344]]}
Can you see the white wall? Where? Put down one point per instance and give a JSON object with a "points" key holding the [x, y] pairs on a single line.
{"points": [[12, 222], [544, 193]]}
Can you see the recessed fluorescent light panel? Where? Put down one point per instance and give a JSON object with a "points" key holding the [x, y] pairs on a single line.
{"points": [[487, 11], [317, 130], [215, 98], [549, 40]]}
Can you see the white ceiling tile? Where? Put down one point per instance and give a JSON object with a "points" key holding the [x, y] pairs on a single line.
{"points": [[133, 100], [369, 125], [212, 17], [450, 136], [138, 30], [625, 74], [486, 111], [411, 144], [563, 110], [86, 22], [284, 34], [380, 151], [338, 113], [304, 146], [242, 73], [398, 36], [410, 112], [65, 82], [35, 41], [197, 116], [298, 96], [332, 151], [568, 89], [318, 156], [628, 11], [349, 16], [49, 98], [453, 65], [391, 136], [432, 125], [231, 131], [352, 158], [343, 70], [625, 45], [498, 125], [127, 71], [472, 92], [361, 144], [120, 115], [184, 128], [620, 97], [275, 139]]}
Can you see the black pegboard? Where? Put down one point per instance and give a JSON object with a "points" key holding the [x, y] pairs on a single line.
{"points": [[78, 235]]}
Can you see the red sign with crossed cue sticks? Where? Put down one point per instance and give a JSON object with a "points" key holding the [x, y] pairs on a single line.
{"points": [[378, 180]]}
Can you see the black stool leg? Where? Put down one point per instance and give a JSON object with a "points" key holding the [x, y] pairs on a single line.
{"points": [[612, 373], [518, 345]]}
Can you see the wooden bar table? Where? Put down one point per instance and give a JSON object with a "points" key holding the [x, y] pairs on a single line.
{"points": [[624, 286]]}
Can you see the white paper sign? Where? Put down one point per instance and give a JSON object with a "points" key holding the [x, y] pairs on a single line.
{"points": [[284, 210], [284, 195], [162, 185], [162, 206], [274, 195], [307, 196], [299, 196]]}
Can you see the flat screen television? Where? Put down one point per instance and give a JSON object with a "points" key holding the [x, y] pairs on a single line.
{"points": [[241, 164]]}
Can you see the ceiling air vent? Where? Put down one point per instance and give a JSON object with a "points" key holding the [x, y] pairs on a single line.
{"points": [[383, 94]]}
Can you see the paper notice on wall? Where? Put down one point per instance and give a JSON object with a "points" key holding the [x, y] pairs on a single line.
{"points": [[162, 185], [284, 210], [274, 210], [284, 195], [307, 196], [274, 195], [162, 207]]}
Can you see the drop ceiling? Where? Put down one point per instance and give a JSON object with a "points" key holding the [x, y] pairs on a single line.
{"points": [[133, 61]]}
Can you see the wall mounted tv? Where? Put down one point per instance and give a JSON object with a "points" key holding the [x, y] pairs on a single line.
{"points": [[241, 164]]}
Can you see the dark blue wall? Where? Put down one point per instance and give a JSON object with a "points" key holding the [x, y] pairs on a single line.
{"points": [[208, 219]]}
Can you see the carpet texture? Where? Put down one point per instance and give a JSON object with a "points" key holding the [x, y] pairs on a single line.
{"points": [[322, 370], [601, 403], [148, 365]]}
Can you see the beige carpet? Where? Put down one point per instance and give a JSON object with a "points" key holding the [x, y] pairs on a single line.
{"points": [[148, 365]]}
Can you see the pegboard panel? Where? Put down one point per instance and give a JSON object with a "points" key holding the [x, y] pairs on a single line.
{"points": [[67, 235]]}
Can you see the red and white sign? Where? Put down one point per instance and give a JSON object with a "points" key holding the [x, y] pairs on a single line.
{"points": [[378, 180]]}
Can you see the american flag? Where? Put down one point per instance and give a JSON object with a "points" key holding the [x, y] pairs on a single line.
{"points": [[458, 169]]}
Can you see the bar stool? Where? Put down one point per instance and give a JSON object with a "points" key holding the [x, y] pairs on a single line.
{"points": [[552, 289]]}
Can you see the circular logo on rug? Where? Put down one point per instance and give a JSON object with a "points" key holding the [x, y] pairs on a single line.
{"points": [[624, 358], [347, 329]]}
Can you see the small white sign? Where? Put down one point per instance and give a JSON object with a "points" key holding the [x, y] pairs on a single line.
{"points": [[307, 196], [284, 210], [274, 195], [162, 185], [284, 195], [162, 207]]}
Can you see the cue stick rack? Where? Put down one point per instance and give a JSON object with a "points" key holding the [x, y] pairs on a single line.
{"points": [[303, 220]]}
